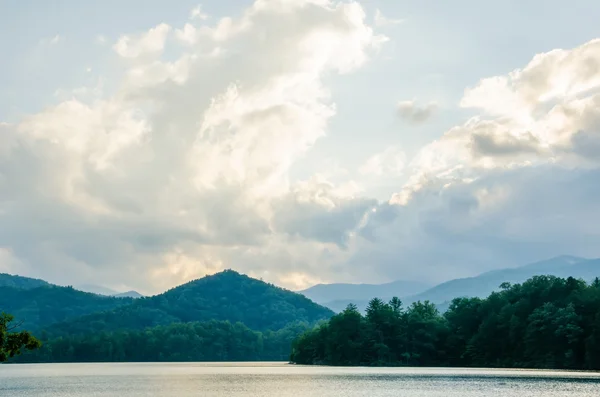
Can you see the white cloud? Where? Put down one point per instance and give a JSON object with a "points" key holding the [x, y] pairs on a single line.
{"points": [[151, 42], [389, 163], [511, 185], [185, 168], [558, 74], [198, 13]]}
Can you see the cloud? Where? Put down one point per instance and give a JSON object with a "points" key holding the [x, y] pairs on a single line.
{"points": [[381, 20], [184, 169], [547, 78], [101, 39], [411, 112], [151, 42], [390, 163], [511, 185], [197, 13], [188, 166], [316, 210]]}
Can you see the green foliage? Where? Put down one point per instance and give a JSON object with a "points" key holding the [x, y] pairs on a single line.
{"points": [[41, 306], [226, 296], [546, 322], [8, 280], [13, 341], [208, 341]]}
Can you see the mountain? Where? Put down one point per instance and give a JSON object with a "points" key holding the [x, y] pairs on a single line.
{"points": [[481, 286], [100, 290], [49, 304], [342, 294], [226, 296], [9, 280], [129, 294], [96, 289]]}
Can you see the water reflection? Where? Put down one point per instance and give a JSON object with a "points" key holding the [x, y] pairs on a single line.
{"points": [[274, 379]]}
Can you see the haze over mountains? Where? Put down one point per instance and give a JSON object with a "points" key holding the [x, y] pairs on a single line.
{"points": [[336, 297]]}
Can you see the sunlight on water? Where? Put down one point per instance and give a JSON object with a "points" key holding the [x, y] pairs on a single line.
{"points": [[275, 379]]}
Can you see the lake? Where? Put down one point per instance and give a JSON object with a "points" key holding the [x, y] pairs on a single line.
{"points": [[277, 379]]}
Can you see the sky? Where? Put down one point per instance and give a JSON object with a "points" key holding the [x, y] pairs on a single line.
{"points": [[144, 144]]}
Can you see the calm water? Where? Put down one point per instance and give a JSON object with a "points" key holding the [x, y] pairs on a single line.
{"points": [[273, 379]]}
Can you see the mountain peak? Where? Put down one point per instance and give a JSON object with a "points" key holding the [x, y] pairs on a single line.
{"points": [[224, 296]]}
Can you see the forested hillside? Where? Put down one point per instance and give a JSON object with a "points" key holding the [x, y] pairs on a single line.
{"points": [[226, 296], [9, 280], [39, 307], [484, 284], [207, 341], [224, 317], [546, 322], [328, 294]]}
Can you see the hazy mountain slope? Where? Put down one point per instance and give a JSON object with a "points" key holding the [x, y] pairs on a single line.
{"points": [[9, 280], [325, 294], [128, 294], [484, 284], [96, 289], [100, 290], [42, 306], [224, 296]]}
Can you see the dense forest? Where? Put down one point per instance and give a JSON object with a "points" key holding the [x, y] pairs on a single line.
{"points": [[546, 322], [227, 316], [226, 296], [207, 341], [40, 306], [9, 280]]}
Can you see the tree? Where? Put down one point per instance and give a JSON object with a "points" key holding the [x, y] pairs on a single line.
{"points": [[546, 322], [11, 341]]}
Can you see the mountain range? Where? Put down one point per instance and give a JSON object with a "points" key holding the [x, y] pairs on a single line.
{"points": [[219, 317], [335, 296], [9, 280], [226, 296], [100, 290]]}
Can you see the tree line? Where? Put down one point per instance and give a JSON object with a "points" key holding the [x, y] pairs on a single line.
{"points": [[546, 322], [178, 342]]}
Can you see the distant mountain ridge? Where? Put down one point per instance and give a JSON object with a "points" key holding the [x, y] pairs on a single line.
{"points": [[14, 281], [96, 289], [225, 296], [481, 286], [328, 292], [484, 284], [128, 294], [341, 294], [49, 304], [100, 290]]}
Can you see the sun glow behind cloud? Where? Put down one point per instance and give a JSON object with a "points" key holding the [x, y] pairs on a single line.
{"points": [[183, 167]]}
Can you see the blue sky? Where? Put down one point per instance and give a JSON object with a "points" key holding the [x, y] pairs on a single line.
{"points": [[315, 140]]}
